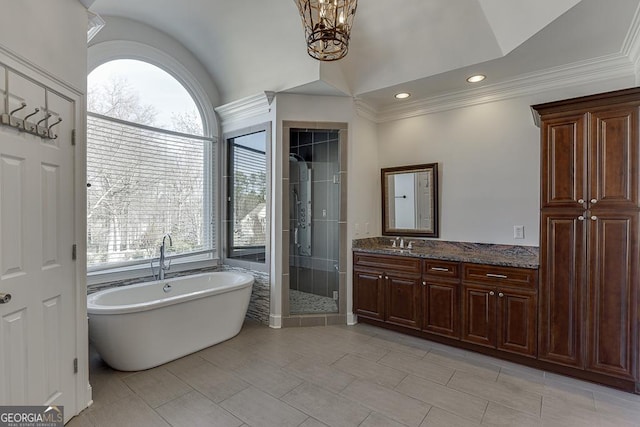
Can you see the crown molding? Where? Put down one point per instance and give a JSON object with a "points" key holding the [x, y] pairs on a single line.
{"points": [[365, 110], [631, 44], [245, 108], [575, 74]]}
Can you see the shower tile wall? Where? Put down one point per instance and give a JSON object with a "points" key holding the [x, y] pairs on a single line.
{"points": [[318, 273]]}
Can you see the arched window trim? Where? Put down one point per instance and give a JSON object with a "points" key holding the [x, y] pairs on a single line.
{"points": [[104, 52]]}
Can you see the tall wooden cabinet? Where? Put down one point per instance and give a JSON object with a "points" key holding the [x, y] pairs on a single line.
{"points": [[589, 249]]}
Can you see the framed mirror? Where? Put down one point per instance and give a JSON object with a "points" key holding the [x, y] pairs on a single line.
{"points": [[410, 200]]}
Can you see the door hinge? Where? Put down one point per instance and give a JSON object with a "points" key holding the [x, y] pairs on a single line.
{"points": [[73, 137], [75, 365], [74, 252]]}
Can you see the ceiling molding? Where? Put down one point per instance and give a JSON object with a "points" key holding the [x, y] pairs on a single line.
{"points": [[245, 108], [365, 110], [631, 44], [575, 74]]}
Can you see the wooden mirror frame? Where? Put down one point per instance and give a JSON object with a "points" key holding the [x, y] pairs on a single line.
{"points": [[434, 230]]}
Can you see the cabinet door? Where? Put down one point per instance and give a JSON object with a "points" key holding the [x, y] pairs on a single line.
{"points": [[562, 275], [612, 336], [440, 308], [368, 294], [613, 159], [479, 315], [403, 301], [564, 161], [516, 318]]}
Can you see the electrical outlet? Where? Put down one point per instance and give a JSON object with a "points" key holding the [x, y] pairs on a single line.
{"points": [[518, 231], [335, 295]]}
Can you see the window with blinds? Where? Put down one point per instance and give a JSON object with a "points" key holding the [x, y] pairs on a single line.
{"points": [[247, 192], [143, 183]]}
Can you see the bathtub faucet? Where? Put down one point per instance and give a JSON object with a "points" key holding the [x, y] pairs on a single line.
{"points": [[163, 267]]}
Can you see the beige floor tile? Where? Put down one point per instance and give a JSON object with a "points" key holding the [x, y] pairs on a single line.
{"points": [[157, 386], [317, 372], [520, 380], [440, 418], [563, 395], [610, 406], [107, 388], [325, 406], [367, 370], [510, 396], [500, 416], [81, 420], [312, 422], [377, 420], [399, 347], [462, 404], [131, 411], [564, 408], [259, 409], [387, 402], [224, 356], [268, 378], [215, 383], [464, 364], [275, 354], [195, 410], [417, 366], [185, 363]]}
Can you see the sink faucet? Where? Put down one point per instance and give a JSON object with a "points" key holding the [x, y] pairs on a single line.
{"points": [[163, 268]]}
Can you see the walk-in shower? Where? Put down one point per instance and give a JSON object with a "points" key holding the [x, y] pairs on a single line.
{"points": [[314, 210]]}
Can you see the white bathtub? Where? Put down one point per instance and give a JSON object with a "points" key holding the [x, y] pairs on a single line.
{"points": [[140, 326]]}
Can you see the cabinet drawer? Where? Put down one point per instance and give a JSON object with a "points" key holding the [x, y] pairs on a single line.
{"points": [[386, 263], [497, 275], [437, 268]]}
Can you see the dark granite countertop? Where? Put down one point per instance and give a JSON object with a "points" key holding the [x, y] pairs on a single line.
{"points": [[479, 253]]}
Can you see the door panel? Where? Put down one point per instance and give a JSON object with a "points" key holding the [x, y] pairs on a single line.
{"points": [[37, 229], [562, 274], [403, 301], [517, 322], [479, 315], [564, 161], [613, 167], [440, 304], [368, 295], [613, 294]]}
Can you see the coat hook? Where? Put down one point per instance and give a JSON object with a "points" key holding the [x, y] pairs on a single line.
{"points": [[36, 111], [22, 105], [46, 117], [55, 124]]}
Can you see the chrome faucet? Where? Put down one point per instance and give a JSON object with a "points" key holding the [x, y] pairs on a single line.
{"points": [[162, 268]]}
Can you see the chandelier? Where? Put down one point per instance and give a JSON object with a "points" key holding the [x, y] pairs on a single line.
{"points": [[327, 26]]}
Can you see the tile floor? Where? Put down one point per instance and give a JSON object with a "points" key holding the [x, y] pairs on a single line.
{"points": [[345, 376]]}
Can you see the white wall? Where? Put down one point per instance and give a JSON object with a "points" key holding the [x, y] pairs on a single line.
{"points": [[49, 34], [489, 162]]}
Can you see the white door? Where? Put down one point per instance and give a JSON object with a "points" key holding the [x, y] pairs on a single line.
{"points": [[38, 324]]}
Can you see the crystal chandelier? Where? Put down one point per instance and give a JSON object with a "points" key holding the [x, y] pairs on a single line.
{"points": [[327, 26]]}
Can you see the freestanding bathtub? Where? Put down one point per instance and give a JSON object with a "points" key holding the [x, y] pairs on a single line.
{"points": [[140, 326]]}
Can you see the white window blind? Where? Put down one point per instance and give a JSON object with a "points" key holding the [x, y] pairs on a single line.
{"points": [[144, 182]]}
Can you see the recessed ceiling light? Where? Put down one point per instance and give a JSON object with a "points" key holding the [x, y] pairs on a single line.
{"points": [[477, 78], [402, 95]]}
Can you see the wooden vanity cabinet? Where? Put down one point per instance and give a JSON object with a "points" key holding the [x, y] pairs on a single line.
{"points": [[499, 307], [387, 288], [441, 297]]}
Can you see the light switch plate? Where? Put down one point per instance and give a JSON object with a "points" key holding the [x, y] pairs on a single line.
{"points": [[518, 231]]}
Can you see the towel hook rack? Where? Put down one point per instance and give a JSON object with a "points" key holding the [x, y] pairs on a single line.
{"points": [[22, 105], [51, 135]]}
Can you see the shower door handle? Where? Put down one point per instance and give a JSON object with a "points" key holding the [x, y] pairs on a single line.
{"points": [[295, 235]]}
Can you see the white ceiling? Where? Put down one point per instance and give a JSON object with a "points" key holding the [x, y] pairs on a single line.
{"points": [[426, 47]]}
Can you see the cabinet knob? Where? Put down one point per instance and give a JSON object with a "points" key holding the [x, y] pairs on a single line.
{"points": [[386, 277], [593, 217], [380, 276], [594, 201], [581, 218], [424, 283], [492, 293], [581, 201], [500, 294]]}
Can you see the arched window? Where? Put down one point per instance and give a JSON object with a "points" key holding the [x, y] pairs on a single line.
{"points": [[149, 168]]}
